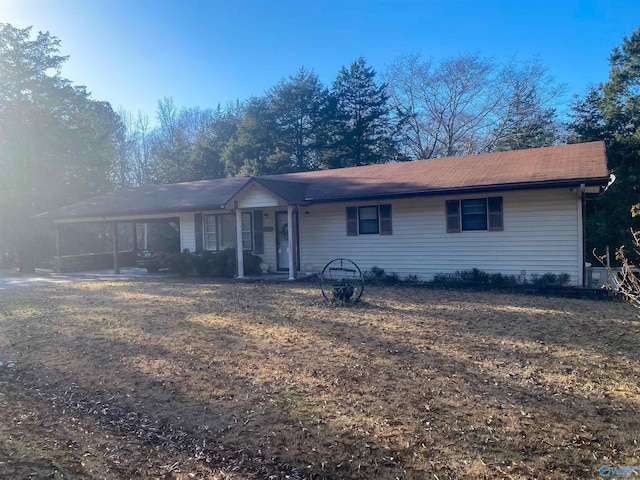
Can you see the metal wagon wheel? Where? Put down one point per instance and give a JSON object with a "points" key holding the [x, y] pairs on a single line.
{"points": [[342, 281]]}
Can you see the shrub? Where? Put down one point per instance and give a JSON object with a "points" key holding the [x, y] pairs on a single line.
{"points": [[223, 264], [252, 264], [550, 280], [462, 278], [181, 263], [377, 275], [413, 279], [476, 278]]}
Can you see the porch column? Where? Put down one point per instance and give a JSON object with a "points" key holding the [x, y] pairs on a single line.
{"points": [[290, 241], [58, 263], [116, 260], [134, 227], [239, 252]]}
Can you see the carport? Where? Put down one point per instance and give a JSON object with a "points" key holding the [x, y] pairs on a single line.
{"points": [[120, 240]]}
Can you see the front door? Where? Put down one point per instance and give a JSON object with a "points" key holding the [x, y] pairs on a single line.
{"points": [[282, 240]]}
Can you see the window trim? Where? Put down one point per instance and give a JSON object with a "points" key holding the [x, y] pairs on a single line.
{"points": [[384, 219], [370, 220], [206, 232], [249, 232], [467, 219], [218, 231], [494, 213]]}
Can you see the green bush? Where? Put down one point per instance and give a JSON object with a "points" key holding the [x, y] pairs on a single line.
{"points": [[464, 278], [252, 264], [476, 278], [550, 280], [181, 263], [223, 263], [377, 275]]}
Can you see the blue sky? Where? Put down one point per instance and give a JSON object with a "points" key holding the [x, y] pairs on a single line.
{"points": [[134, 52]]}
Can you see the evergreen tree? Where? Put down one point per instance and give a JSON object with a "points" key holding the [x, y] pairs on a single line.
{"points": [[361, 126], [253, 149], [219, 130], [297, 106], [611, 112], [56, 143]]}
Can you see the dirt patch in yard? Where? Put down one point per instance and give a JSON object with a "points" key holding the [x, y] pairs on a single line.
{"points": [[188, 380]]}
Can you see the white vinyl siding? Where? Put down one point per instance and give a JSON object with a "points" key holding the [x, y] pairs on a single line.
{"points": [[541, 234], [256, 197]]}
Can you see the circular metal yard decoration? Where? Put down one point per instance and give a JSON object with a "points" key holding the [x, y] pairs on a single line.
{"points": [[342, 281]]}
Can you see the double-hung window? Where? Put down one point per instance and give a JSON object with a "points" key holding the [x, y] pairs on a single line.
{"points": [[247, 231], [220, 231], [369, 220], [474, 214]]}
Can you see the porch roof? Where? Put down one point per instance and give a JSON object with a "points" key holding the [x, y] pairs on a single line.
{"points": [[567, 165]]}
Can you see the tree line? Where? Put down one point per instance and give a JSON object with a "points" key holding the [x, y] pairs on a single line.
{"points": [[58, 145], [416, 109]]}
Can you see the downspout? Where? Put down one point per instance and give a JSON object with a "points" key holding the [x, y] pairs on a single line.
{"points": [[584, 234]]}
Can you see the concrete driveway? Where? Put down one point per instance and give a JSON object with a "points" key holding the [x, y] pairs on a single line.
{"points": [[15, 280]]}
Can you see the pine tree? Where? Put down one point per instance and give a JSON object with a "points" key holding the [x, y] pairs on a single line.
{"points": [[361, 127], [611, 112], [297, 107], [57, 145]]}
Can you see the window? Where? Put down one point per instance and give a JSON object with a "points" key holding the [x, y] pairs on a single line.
{"points": [[210, 232], [219, 232], [369, 220], [474, 214], [247, 231]]}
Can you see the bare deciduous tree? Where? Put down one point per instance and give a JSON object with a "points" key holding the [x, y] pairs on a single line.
{"points": [[468, 104]]}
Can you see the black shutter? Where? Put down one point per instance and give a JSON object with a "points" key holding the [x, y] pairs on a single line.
{"points": [[199, 235], [385, 220], [258, 234], [496, 223], [453, 216], [352, 221]]}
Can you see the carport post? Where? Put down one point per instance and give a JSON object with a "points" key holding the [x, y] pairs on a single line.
{"points": [[290, 241], [239, 251], [134, 227], [114, 234], [58, 245], [58, 263]]}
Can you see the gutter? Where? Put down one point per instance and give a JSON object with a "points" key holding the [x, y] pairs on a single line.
{"points": [[464, 190]]}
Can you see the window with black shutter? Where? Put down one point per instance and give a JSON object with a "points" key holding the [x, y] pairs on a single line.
{"points": [[453, 216], [369, 220], [352, 221], [474, 214]]}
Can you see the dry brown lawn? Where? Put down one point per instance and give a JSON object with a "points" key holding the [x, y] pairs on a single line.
{"points": [[188, 380]]}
